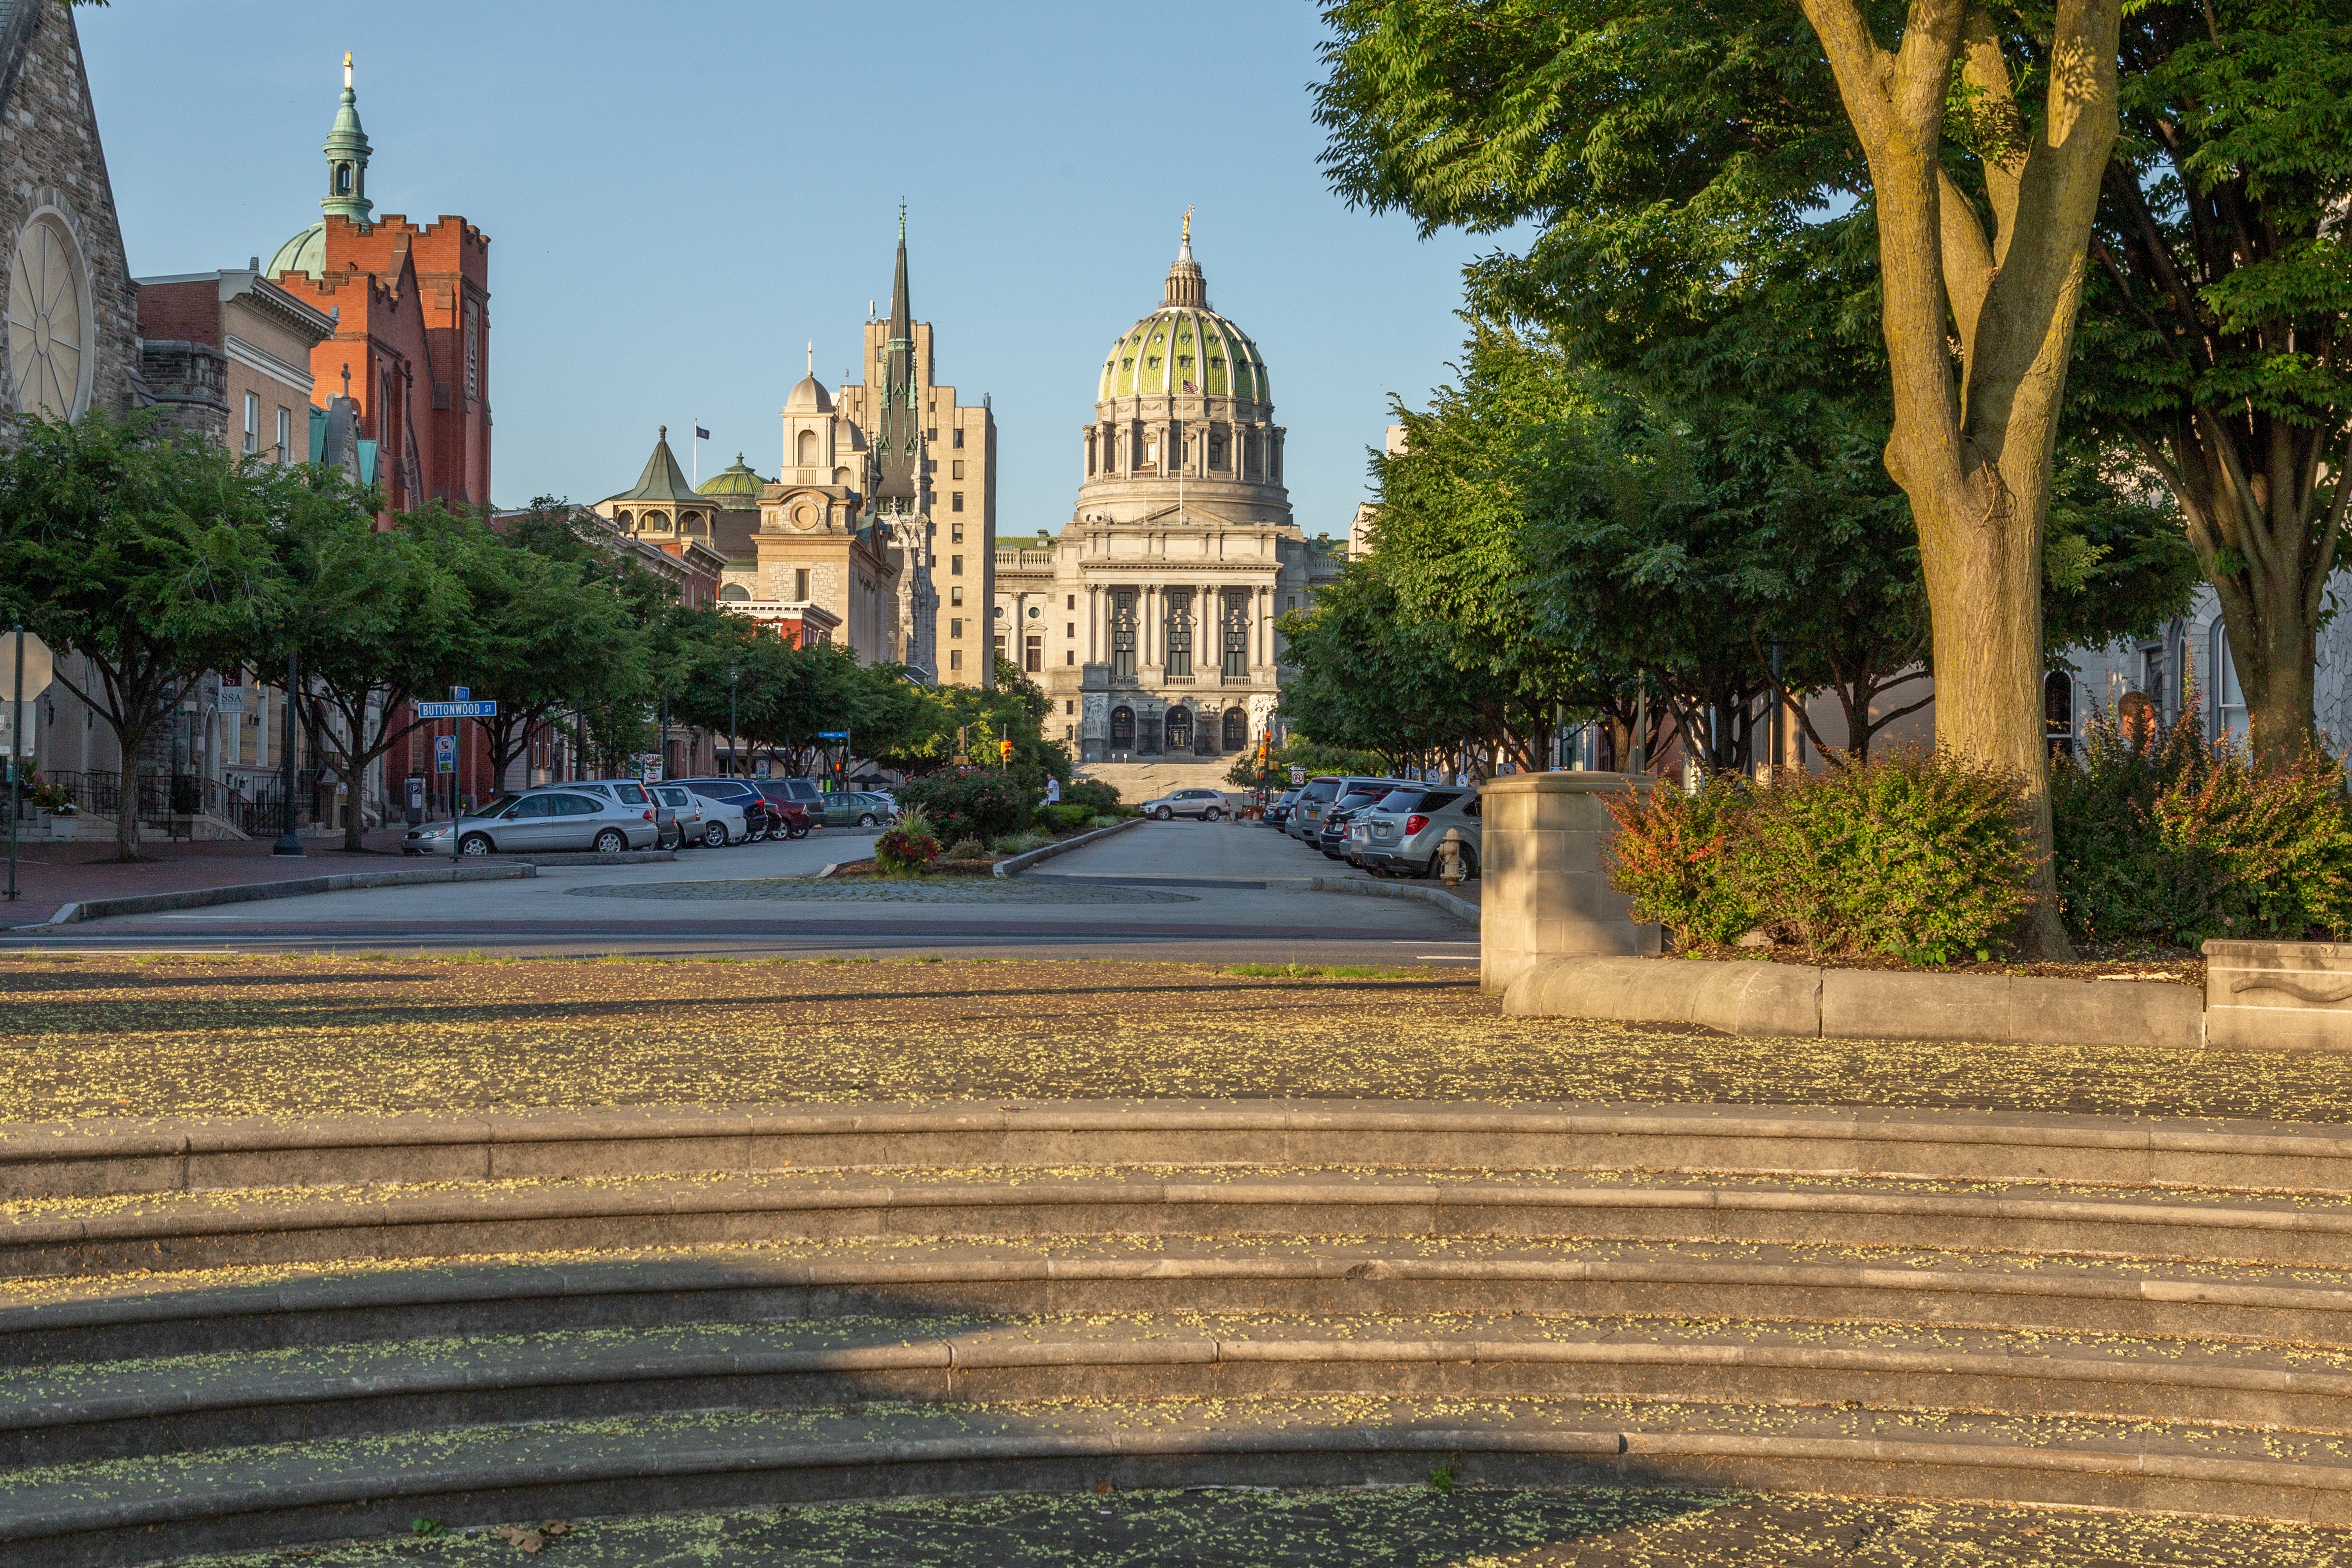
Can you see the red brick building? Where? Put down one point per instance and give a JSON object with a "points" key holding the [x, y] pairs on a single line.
{"points": [[412, 328]]}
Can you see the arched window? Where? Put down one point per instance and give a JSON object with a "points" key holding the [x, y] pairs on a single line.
{"points": [[689, 522], [808, 449], [1237, 729], [2058, 709], [658, 520], [1122, 729], [342, 179], [1180, 729], [626, 519], [2227, 702], [735, 593]]}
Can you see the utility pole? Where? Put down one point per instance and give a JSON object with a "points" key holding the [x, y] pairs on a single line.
{"points": [[734, 742], [16, 750]]}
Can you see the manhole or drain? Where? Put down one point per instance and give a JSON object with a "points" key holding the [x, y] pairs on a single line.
{"points": [[945, 890]]}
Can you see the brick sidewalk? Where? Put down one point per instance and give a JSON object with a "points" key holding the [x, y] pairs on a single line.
{"points": [[49, 876]]}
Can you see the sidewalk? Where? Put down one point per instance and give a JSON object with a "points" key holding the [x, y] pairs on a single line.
{"points": [[50, 876]]}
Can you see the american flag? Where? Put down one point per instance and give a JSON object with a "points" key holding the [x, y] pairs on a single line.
{"points": [[1190, 387]]}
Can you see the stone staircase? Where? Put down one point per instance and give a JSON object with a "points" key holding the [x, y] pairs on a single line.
{"points": [[240, 1335]]}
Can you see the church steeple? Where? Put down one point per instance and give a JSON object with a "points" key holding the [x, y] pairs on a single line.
{"points": [[347, 158], [899, 443]]}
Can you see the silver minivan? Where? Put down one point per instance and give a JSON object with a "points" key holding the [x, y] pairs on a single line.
{"points": [[554, 817]]}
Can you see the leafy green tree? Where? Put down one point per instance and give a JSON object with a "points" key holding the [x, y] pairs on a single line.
{"points": [[1687, 150], [1372, 679], [373, 618], [153, 557], [2217, 312]]}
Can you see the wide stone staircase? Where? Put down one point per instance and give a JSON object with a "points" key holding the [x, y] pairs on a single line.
{"points": [[233, 1335]]}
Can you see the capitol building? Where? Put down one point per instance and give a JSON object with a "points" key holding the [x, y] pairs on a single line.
{"points": [[1149, 620]]}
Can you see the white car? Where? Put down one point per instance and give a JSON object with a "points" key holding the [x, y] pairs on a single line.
{"points": [[722, 820], [1208, 804]]}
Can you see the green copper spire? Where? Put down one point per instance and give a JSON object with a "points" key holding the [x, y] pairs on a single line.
{"points": [[899, 443], [347, 158]]}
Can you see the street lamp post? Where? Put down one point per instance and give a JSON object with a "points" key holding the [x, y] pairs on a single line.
{"points": [[734, 740], [289, 842], [16, 750]]}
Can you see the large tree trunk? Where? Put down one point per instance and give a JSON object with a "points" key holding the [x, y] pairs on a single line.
{"points": [[1975, 429]]}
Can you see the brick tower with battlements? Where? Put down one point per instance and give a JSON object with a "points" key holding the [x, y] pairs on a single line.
{"points": [[412, 328]]}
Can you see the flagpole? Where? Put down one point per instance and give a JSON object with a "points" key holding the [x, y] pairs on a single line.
{"points": [[696, 446]]}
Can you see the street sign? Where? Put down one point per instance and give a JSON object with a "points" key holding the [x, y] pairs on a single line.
{"points": [[445, 753], [456, 710], [41, 666], [23, 749], [1298, 777], [833, 734], [461, 693], [232, 698]]}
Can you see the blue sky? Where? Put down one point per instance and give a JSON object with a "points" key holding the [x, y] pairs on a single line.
{"points": [[680, 198]]}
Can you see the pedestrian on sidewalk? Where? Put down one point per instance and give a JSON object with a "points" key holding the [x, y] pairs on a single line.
{"points": [[1052, 790]]}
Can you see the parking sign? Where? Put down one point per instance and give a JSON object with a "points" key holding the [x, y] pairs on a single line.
{"points": [[445, 753]]}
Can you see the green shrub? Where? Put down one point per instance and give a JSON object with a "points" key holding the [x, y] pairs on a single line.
{"points": [[2179, 839], [968, 805], [1021, 842], [1068, 817], [1102, 797], [1916, 856], [967, 849]]}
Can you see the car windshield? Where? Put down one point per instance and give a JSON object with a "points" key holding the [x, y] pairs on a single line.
{"points": [[1355, 799], [492, 807], [1321, 789], [1401, 799]]}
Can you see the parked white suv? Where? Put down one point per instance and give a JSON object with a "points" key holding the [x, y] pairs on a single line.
{"points": [[1208, 804]]}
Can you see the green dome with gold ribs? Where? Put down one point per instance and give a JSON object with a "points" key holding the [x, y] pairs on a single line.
{"points": [[1179, 349], [1184, 347]]}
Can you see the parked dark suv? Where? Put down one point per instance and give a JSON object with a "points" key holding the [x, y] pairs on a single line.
{"points": [[761, 818]]}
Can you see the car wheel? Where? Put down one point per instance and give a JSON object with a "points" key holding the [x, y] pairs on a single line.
{"points": [[1165, 815], [796, 831], [612, 841], [754, 832], [865, 820], [715, 836], [1212, 815], [474, 844]]}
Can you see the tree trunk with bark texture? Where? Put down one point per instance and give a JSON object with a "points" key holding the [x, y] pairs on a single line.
{"points": [[1975, 429]]}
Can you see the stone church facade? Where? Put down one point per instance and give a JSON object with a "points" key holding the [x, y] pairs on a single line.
{"points": [[1150, 619]]}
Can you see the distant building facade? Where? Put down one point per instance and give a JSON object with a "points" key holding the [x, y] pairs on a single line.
{"points": [[1150, 619]]}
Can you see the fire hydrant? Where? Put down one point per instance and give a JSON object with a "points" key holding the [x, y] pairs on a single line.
{"points": [[1449, 850]]}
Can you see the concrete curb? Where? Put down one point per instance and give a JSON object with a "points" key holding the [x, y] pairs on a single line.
{"points": [[1806, 1002], [1013, 865], [249, 892], [1461, 908]]}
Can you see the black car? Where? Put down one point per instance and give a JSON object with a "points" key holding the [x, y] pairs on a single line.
{"points": [[1278, 811], [761, 817], [1332, 838]]}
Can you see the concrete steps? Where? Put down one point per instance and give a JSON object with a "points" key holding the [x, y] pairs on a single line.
{"points": [[151, 1507], [237, 1335]]}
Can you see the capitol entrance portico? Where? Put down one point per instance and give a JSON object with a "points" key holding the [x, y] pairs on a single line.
{"points": [[1150, 619]]}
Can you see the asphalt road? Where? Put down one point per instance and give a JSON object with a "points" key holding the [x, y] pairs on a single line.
{"points": [[1185, 891]]}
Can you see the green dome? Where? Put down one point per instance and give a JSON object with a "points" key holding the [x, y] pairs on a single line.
{"points": [[306, 252], [1179, 343], [738, 480]]}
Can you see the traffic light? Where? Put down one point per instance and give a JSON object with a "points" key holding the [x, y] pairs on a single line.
{"points": [[1004, 749]]}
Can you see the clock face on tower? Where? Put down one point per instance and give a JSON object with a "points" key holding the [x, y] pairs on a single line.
{"points": [[48, 314]]}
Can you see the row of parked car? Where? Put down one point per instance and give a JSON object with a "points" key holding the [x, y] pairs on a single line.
{"points": [[1390, 827], [610, 815]]}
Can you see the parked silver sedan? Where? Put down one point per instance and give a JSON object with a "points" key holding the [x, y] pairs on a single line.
{"points": [[543, 819]]}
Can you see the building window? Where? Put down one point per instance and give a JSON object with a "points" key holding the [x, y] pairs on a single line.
{"points": [[1122, 729], [1294, 601], [1122, 640], [955, 439], [955, 658], [253, 422], [284, 434], [800, 582], [932, 436], [1032, 654], [1000, 645], [955, 534], [955, 594], [1236, 730], [1179, 636], [1070, 629], [473, 349], [955, 565], [955, 627], [1236, 633], [955, 470], [1069, 601], [955, 501], [1069, 707], [342, 179]]}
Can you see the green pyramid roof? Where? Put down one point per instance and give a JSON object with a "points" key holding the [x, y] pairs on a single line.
{"points": [[663, 480]]}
